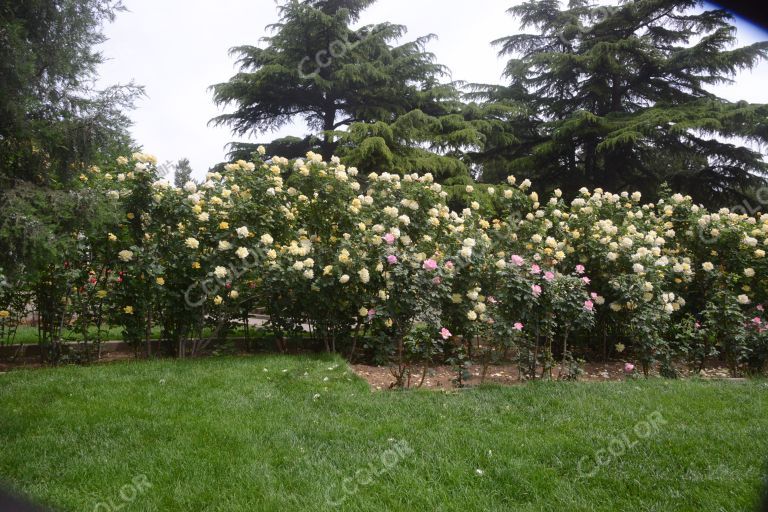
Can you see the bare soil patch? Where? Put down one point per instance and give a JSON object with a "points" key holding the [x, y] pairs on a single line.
{"points": [[442, 377]]}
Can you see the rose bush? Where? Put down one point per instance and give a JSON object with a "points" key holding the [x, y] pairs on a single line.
{"points": [[381, 264]]}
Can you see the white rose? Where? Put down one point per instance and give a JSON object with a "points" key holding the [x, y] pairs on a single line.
{"points": [[125, 255]]}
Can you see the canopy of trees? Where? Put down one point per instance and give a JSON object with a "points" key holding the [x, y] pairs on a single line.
{"points": [[617, 97], [52, 120], [620, 98]]}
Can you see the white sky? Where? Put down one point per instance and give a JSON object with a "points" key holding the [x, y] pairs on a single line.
{"points": [[178, 48]]}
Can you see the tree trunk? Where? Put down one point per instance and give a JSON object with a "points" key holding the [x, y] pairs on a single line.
{"points": [[328, 145]]}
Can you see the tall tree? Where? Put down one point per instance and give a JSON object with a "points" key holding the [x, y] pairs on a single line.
{"points": [[621, 98], [316, 67], [182, 172], [52, 121]]}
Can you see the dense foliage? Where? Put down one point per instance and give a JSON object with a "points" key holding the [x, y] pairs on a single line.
{"points": [[612, 96], [381, 264], [318, 68], [53, 124], [620, 98]]}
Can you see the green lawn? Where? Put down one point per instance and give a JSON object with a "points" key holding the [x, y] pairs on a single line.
{"points": [[299, 433], [27, 335]]}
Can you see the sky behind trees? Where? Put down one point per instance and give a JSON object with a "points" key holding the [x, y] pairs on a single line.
{"points": [[178, 48]]}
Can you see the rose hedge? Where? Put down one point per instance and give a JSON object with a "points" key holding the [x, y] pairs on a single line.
{"points": [[379, 263]]}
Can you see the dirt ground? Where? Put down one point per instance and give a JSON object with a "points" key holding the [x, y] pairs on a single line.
{"points": [[441, 377]]}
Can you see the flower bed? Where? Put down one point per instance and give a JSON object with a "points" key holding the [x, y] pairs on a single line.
{"points": [[381, 265]]}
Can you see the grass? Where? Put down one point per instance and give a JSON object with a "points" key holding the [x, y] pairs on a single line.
{"points": [[292, 433], [26, 335]]}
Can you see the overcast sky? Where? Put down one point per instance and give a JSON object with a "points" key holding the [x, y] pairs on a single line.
{"points": [[178, 48]]}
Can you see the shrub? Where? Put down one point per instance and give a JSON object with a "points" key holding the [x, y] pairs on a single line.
{"points": [[382, 262]]}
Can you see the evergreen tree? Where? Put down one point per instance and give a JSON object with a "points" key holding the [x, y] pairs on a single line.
{"points": [[316, 67], [619, 99], [444, 145], [52, 123], [182, 172]]}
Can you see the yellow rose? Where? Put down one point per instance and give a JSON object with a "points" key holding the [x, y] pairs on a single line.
{"points": [[224, 225], [4, 314], [130, 216], [196, 265], [160, 281], [128, 310], [101, 294]]}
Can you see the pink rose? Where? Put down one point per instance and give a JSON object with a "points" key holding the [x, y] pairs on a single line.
{"points": [[449, 265], [593, 295], [535, 269], [760, 307], [430, 264], [371, 313], [436, 280], [757, 320], [586, 280], [517, 260], [549, 276], [629, 367], [536, 290], [445, 333], [518, 326], [589, 305], [389, 238], [697, 325], [491, 299], [580, 269], [392, 259]]}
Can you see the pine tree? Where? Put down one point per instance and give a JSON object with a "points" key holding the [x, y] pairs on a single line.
{"points": [[620, 99], [444, 145], [52, 123], [317, 68], [182, 172]]}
